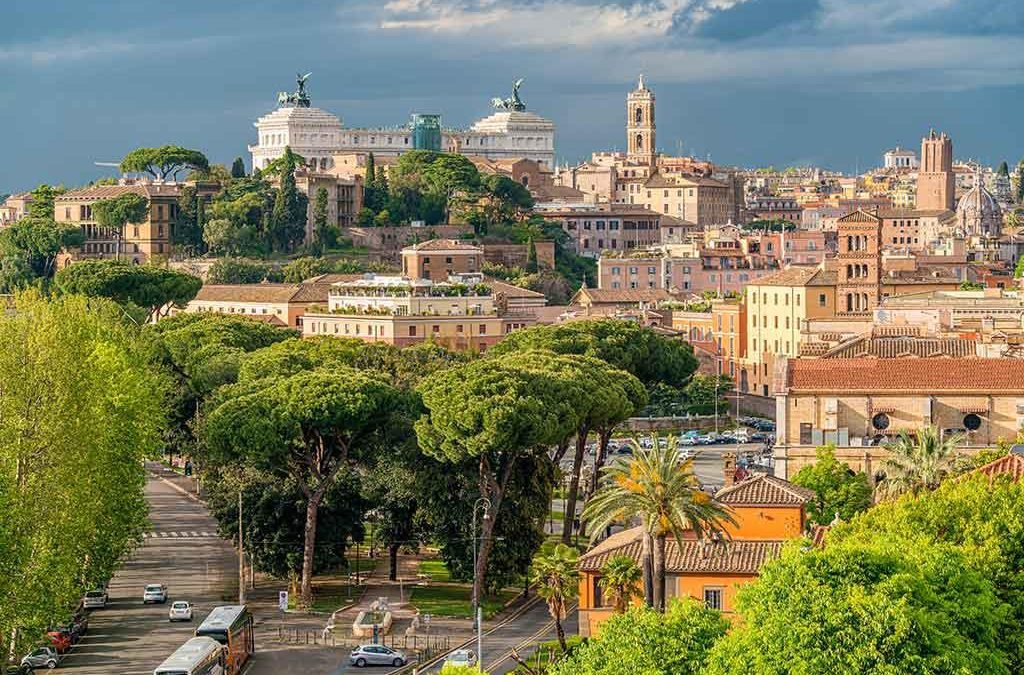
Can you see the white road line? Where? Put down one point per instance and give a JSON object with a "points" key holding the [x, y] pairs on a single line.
{"points": [[162, 534], [193, 534]]}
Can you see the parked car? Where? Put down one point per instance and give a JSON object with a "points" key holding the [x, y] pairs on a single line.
{"points": [[59, 640], [73, 630], [44, 657], [687, 440], [154, 593], [376, 655], [462, 657], [706, 439], [740, 435], [180, 611], [685, 454], [17, 670], [95, 599]]}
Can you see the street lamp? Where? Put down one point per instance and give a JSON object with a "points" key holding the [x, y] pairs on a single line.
{"points": [[484, 504]]}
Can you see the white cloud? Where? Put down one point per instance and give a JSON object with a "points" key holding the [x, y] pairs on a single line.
{"points": [[63, 51]]}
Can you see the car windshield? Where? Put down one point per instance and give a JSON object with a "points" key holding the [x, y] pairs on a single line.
{"points": [[152, 587], [94, 594], [180, 605]]}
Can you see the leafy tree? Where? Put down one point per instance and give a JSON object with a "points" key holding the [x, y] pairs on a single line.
{"points": [[236, 271], [839, 491], [620, 580], [882, 608], [374, 195], [531, 256], [664, 493], [115, 213], [288, 218], [307, 427], [214, 173], [498, 413], [321, 228], [1019, 192], [153, 288], [919, 462], [971, 286], [35, 241], [674, 643], [80, 409], [705, 392], [1018, 270], [382, 219], [557, 580], [365, 217], [1004, 169], [304, 268], [188, 230], [238, 168], [167, 160], [43, 198], [450, 669]]}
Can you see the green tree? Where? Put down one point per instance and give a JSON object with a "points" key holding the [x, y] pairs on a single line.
{"points": [[646, 642], [1004, 169], [43, 198], [364, 218], [1018, 270], [1020, 182], [706, 393], [531, 256], [664, 493], [557, 580], [188, 229], [918, 462], [321, 235], [35, 241], [288, 217], [883, 608], [971, 286], [238, 168], [839, 491], [153, 288], [236, 271], [307, 427], [382, 219], [620, 580], [167, 160], [115, 213], [373, 196], [496, 413], [304, 268]]}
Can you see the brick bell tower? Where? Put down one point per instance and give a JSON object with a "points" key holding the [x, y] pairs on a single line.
{"points": [[640, 126]]}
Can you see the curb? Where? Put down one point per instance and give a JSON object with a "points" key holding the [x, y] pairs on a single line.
{"points": [[177, 487]]}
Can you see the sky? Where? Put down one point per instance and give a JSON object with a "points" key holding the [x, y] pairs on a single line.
{"points": [[747, 82]]}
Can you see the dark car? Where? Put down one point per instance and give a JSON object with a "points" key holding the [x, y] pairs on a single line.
{"points": [[17, 670]]}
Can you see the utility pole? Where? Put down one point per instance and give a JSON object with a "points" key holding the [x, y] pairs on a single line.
{"points": [[241, 554]]}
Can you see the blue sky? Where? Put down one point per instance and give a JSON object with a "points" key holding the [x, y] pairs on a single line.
{"points": [[752, 82]]}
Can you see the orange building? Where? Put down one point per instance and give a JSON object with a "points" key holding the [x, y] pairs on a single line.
{"points": [[438, 259], [768, 512]]}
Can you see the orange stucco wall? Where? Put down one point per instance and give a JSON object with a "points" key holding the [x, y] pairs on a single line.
{"points": [[756, 522]]}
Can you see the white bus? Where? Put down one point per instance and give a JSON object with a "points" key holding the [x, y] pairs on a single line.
{"points": [[198, 656]]}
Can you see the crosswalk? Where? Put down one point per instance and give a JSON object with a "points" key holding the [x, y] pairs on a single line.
{"points": [[162, 534]]}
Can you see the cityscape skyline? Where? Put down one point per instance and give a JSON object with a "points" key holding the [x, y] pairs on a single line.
{"points": [[847, 101]]}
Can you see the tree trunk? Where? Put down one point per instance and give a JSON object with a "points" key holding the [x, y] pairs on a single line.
{"points": [[646, 554], [393, 566], [309, 546], [659, 573], [560, 632], [574, 485], [603, 436]]}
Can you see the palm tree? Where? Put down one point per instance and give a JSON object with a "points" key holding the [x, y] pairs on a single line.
{"points": [[557, 578], [918, 462], [620, 576], [663, 491]]}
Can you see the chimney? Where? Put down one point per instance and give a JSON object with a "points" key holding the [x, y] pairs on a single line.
{"points": [[728, 469]]}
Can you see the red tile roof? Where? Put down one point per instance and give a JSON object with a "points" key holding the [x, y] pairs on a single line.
{"points": [[906, 374], [1011, 465], [689, 556], [444, 245], [108, 191], [764, 490]]}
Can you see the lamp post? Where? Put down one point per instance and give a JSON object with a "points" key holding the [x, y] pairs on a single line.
{"points": [[484, 504]]}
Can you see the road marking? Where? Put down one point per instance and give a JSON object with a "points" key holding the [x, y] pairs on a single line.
{"points": [[179, 534], [527, 642]]}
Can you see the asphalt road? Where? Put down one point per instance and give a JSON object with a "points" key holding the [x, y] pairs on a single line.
{"points": [[182, 551]]}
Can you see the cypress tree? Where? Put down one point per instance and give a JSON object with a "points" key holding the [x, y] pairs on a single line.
{"points": [[1003, 170], [288, 223], [320, 221], [200, 222], [1019, 193], [531, 256], [238, 168], [371, 192]]}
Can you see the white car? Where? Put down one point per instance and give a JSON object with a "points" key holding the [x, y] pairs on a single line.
{"points": [[180, 611], [95, 599], [154, 593], [462, 657]]}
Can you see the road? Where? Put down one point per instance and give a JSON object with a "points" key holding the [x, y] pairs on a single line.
{"points": [[181, 550]]}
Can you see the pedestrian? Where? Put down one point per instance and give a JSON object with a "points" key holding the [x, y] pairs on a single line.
{"points": [[188, 467]]}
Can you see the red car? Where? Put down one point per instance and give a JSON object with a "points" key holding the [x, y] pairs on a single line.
{"points": [[59, 640]]}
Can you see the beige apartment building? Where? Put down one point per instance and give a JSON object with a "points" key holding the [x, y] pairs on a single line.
{"points": [[280, 305], [860, 403], [344, 197], [600, 227], [142, 242], [438, 259]]}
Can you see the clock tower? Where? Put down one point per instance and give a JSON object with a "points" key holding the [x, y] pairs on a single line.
{"points": [[640, 124]]}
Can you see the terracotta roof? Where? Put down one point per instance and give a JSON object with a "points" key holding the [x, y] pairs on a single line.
{"points": [[764, 490], [331, 278], [906, 374], [913, 213], [887, 347], [689, 556], [627, 295], [443, 245], [510, 290], [274, 293], [546, 192], [1011, 465], [798, 276], [108, 191], [859, 216]]}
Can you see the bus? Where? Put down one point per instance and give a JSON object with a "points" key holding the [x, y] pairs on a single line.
{"points": [[198, 656], [231, 625]]}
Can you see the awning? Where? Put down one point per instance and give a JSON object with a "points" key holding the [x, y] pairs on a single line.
{"points": [[965, 404]]}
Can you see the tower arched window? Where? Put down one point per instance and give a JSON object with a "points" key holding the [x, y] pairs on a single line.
{"points": [[639, 142], [639, 115]]}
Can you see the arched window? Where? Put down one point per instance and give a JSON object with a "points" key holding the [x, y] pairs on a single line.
{"points": [[639, 142], [849, 302], [526, 181], [639, 115]]}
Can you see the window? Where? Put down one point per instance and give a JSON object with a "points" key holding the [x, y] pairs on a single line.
{"points": [[412, 331], [448, 260], [713, 597], [652, 270], [458, 328], [436, 328], [616, 271], [822, 301], [483, 329], [598, 593], [806, 437], [972, 422]]}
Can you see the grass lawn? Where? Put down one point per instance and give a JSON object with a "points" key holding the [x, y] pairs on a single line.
{"points": [[326, 599], [557, 515], [545, 650], [454, 601], [437, 570]]}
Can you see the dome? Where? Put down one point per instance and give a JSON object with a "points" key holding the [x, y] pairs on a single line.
{"points": [[978, 212]]}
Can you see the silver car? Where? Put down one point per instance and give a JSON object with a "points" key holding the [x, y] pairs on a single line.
{"points": [[461, 657], [154, 593], [95, 600], [180, 611], [376, 655], [44, 657]]}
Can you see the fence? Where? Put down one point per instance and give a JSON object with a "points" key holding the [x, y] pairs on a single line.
{"points": [[423, 645]]}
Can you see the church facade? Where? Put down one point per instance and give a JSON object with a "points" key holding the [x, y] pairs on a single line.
{"points": [[511, 132]]}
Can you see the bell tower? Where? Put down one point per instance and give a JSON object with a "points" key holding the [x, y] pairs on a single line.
{"points": [[640, 124]]}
